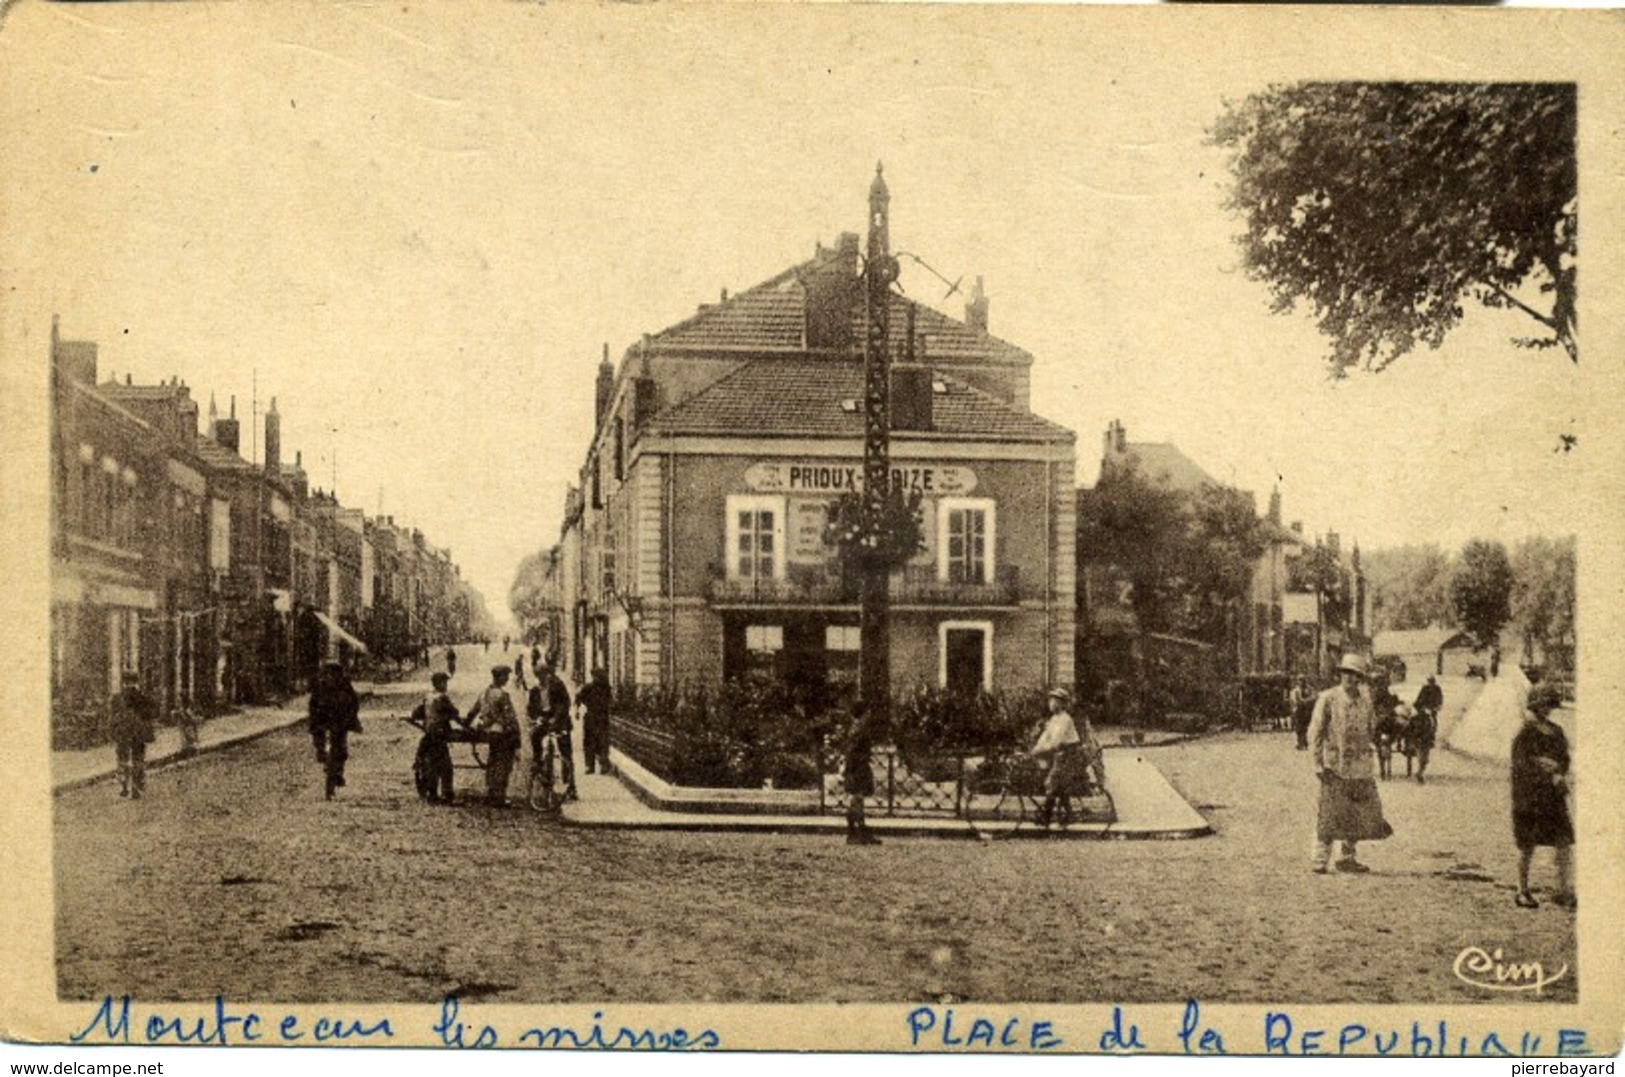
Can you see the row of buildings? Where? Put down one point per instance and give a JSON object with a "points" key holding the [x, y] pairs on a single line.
{"points": [[692, 547], [209, 579]]}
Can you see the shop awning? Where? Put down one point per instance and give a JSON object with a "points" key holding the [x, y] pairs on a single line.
{"points": [[333, 628]]}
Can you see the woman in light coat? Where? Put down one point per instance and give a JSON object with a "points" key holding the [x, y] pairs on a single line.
{"points": [[1342, 735]]}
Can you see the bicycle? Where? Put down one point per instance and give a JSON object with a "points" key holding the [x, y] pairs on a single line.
{"points": [[545, 791], [1005, 795]]}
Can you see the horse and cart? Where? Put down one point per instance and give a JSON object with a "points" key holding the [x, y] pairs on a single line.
{"points": [[1408, 731]]}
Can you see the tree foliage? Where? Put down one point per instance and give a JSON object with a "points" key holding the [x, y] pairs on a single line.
{"points": [[529, 598], [1542, 603], [1410, 587], [1385, 208], [1181, 557], [1320, 572], [884, 535], [1481, 590]]}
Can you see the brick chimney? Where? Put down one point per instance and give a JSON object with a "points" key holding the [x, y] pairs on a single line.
{"points": [[976, 308], [1116, 443], [226, 430], [605, 387], [76, 359], [273, 439], [833, 291]]}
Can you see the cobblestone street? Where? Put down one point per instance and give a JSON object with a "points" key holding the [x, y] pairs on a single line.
{"points": [[234, 876]]}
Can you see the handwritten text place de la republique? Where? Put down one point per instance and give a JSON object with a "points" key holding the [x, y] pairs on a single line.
{"points": [[939, 1028]]}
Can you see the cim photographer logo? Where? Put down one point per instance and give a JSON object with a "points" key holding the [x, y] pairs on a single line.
{"points": [[1492, 970]]}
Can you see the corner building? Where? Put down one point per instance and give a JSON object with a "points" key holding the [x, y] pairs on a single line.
{"points": [[695, 540]]}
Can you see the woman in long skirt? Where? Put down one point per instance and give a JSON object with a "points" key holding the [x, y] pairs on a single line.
{"points": [[1540, 810]]}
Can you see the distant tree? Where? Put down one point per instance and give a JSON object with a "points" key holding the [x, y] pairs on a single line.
{"points": [[1224, 538], [1481, 590], [1543, 597], [1133, 529], [1385, 207], [527, 596], [1319, 572], [1185, 556], [1410, 587]]}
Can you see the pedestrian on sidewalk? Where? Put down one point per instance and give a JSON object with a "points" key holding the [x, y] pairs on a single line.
{"points": [[858, 775], [1342, 736], [1420, 733], [519, 681], [548, 708], [131, 716], [1303, 708], [334, 715], [594, 700], [451, 661], [1540, 810], [434, 751], [1425, 726], [493, 713], [1059, 748]]}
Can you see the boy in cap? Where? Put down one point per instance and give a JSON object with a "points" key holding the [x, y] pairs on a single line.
{"points": [[439, 712], [1058, 747], [858, 776]]}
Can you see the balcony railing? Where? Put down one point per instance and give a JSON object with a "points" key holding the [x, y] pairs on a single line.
{"points": [[819, 586]]}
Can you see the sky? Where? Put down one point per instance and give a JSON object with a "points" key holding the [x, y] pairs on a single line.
{"points": [[418, 227]]}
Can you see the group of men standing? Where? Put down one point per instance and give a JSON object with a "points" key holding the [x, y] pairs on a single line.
{"points": [[494, 720]]}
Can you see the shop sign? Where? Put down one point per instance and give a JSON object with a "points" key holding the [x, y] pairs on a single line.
{"points": [[808, 515], [839, 476]]}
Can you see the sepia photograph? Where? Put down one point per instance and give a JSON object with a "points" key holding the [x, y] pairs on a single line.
{"points": [[812, 527]]}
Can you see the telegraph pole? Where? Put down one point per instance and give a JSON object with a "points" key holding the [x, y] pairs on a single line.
{"points": [[874, 636]]}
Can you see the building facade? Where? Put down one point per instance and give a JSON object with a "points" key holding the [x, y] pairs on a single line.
{"points": [[694, 548], [207, 579]]}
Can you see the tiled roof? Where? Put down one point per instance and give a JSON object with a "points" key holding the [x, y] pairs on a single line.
{"points": [[815, 397], [123, 391], [770, 317], [1418, 641], [1162, 462], [216, 455]]}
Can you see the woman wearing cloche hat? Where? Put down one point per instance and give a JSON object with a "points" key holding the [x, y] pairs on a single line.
{"points": [[1341, 742], [1540, 811]]}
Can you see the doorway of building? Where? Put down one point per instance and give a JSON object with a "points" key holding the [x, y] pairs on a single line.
{"points": [[965, 658]]}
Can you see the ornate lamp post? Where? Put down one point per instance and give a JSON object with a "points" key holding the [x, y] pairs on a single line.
{"points": [[880, 273]]}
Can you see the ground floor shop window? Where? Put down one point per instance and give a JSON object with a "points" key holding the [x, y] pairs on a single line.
{"points": [[965, 656], [841, 648], [808, 650]]}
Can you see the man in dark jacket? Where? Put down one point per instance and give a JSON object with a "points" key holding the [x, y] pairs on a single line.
{"points": [[130, 720], [439, 712], [334, 715], [594, 701], [549, 711]]}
